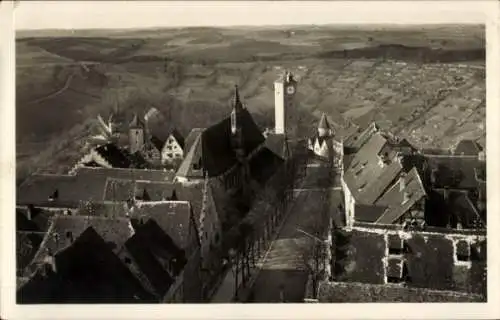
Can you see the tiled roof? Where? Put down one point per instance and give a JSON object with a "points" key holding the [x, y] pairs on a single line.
{"points": [[66, 191], [217, 153], [65, 229], [365, 177], [191, 138], [138, 174], [153, 252], [264, 164], [467, 147], [138, 161], [39, 222], [360, 137], [157, 143], [119, 190], [276, 143], [114, 156], [87, 271], [27, 244], [192, 157], [173, 217], [454, 171], [368, 213], [394, 198]]}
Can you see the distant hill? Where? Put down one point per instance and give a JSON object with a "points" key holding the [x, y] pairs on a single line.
{"points": [[391, 76]]}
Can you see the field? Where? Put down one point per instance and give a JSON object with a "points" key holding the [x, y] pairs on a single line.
{"points": [[424, 83]]}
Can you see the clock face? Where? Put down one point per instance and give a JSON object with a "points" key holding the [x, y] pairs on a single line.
{"points": [[290, 90]]}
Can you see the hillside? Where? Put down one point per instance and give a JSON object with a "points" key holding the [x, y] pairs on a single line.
{"points": [[426, 84]]}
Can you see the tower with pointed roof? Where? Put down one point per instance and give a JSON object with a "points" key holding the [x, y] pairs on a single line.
{"points": [[237, 143], [284, 101], [236, 134], [321, 142], [136, 132], [324, 128]]}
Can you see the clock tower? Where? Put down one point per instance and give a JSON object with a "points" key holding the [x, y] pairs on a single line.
{"points": [[284, 99]]}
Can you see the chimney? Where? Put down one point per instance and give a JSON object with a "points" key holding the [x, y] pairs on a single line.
{"points": [[402, 181]]}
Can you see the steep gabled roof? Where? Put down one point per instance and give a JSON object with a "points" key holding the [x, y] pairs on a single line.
{"points": [[157, 143], [152, 252], [173, 217], [217, 153], [191, 166], [87, 271], [191, 138], [364, 169], [65, 229], [394, 198], [277, 144], [177, 136], [264, 164], [323, 122], [357, 139], [27, 244], [114, 156]]}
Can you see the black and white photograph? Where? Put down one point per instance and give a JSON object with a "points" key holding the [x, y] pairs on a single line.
{"points": [[269, 163]]}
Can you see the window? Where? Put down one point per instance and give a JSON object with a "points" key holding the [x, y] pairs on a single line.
{"points": [[69, 234], [177, 155], [127, 260], [463, 251], [169, 155]]}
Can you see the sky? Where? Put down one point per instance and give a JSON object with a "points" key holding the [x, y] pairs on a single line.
{"points": [[147, 14]]}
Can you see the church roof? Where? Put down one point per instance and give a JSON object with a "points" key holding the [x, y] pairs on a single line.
{"points": [[237, 105], [217, 153]]}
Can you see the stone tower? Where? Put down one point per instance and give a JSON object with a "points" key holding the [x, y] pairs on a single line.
{"points": [[136, 132], [285, 89]]}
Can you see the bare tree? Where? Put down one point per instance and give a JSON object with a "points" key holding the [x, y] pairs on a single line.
{"points": [[314, 248]]}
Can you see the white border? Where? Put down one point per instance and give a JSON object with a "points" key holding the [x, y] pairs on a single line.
{"points": [[327, 12]]}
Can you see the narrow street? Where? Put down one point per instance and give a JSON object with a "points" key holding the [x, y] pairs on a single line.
{"points": [[284, 267]]}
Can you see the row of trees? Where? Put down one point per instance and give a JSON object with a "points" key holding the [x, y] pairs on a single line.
{"points": [[248, 240]]}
